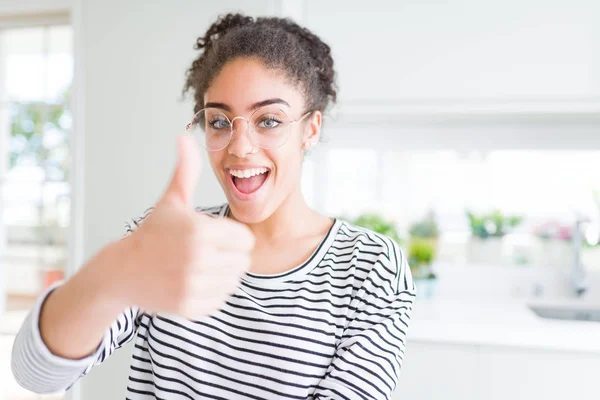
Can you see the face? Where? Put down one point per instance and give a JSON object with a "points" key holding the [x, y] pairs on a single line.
{"points": [[239, 87]]}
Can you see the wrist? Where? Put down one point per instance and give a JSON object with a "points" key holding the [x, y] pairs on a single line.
{"points": [[107, 275]]}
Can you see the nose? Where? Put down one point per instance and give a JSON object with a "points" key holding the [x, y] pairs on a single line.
{"points": [[240, 144]]}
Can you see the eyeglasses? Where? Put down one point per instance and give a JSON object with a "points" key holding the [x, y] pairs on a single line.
{"points": [[269, 127]]}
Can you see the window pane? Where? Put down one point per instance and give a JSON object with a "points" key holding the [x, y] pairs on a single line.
{"points": [[24, 63], [352, 183], [34, 208], [39, 62], [60, 62], [545, 188]]}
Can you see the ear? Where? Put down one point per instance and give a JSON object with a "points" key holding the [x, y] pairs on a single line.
{"points": [[313, 130]]}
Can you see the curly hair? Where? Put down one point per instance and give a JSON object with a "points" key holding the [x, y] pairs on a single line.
{"points": [[279, 43]]}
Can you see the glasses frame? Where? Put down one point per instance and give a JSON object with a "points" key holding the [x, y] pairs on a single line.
{"points": [[188, 127]]}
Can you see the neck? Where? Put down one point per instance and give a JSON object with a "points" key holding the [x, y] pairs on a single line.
{"points": [[293, 218]]}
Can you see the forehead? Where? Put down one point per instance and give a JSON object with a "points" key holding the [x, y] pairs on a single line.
{"points": [[243, 82]]}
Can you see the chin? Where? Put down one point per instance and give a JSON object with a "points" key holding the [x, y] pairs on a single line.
{"points": [[249, 212]]}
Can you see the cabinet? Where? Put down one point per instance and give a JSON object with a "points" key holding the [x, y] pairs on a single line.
{"points": [[460, 372], [438, 371], [461, 50], [535, 374]]}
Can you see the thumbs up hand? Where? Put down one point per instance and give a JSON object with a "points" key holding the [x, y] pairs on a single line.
{"points": [[180, 261]]}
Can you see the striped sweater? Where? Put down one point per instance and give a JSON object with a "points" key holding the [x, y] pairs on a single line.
{"points": [[332, 328]]}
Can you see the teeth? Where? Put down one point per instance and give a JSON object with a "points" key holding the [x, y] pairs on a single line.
{"points": [[247, 173]]}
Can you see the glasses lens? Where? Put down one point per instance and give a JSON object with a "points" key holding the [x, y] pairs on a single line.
{"points": [[212, 128], [270, 127]]}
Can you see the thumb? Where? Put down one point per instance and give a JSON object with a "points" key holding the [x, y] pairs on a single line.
{"points": [[187, 172]]}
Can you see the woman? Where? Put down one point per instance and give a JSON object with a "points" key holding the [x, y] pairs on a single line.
{"points": [[266, 300]]}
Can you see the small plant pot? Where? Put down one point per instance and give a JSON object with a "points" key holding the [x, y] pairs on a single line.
{"points": [[52, 275], [556, 254], [2, 290], [426, 288], [484, 251]]}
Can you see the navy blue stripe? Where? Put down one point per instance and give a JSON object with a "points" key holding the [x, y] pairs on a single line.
{"points": [[224, 377], [321, 320], [267, 321], [220, 353], [236, 348], [272, 333], [246, 339]]}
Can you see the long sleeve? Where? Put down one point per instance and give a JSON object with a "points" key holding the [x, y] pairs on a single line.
{"points": [[37, 369], [369, 357]]}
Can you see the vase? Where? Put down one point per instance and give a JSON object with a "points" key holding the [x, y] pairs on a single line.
{"points": [[485, 251], [555, 254], [426, 288], [51, 276]]}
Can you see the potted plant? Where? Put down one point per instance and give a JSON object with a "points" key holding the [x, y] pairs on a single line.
{"points": [[426, 228], [554, 247], [52, 273], [377, 223], [421, 253], [54, 262], [487, 231], [422, 250]]}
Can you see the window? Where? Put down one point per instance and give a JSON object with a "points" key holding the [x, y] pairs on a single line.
{"points": [[546, 189], [36, 65]]}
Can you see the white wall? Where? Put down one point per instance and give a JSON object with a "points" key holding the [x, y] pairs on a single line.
{"points": [[135, 54], [413, 51], [464, 74]]}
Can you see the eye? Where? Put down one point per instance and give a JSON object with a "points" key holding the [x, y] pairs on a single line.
{"points": [[269, 123], [219, 123]]}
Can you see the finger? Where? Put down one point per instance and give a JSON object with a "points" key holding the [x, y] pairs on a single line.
{"points": [[187, 172]]}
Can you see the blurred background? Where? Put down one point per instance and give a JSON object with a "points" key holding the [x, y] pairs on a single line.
{"points": [[468, 130]]}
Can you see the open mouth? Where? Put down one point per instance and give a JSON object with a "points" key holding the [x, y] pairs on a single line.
{"points": [[248, 181]]}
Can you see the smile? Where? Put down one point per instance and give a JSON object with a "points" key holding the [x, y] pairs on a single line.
{"points": [[248, 181]]}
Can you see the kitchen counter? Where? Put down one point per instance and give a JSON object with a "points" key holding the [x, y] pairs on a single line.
{"points": [[512, 324], [459, 321]]}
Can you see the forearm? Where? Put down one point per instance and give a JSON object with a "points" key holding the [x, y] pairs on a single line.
{"points": [[74, 317], [77, 325]]}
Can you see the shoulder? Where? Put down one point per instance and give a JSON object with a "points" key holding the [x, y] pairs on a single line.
{"points": [[379, 256], [215, 211], [132, 224]]}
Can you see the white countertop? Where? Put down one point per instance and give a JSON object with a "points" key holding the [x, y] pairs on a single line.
{"points": [[512, 324], [465, 322]]}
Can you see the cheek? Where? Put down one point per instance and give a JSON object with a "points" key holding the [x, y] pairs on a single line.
{"points": [[288, 162], [214, 159]]}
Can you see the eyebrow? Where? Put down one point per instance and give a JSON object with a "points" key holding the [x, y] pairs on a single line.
{"points": [[253, 107]]}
